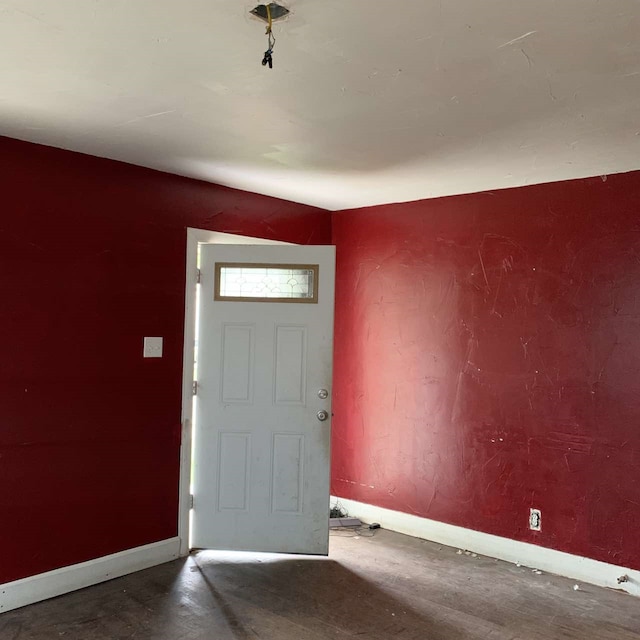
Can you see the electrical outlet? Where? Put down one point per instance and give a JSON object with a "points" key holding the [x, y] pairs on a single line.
{"points": [[535, 519]]}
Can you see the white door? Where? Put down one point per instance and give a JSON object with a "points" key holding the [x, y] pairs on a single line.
{"points": [[263, 403]]}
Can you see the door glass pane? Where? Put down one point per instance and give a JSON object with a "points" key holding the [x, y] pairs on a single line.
{"points": [[266, 282]]}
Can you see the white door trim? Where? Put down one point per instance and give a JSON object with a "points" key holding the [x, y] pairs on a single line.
{"points": [[195, 237]]}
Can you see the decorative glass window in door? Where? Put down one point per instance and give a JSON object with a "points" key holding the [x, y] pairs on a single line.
{"points": [[247, 282]]}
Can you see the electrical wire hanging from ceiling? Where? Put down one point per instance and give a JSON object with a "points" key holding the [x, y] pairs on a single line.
{"points": [[270, 13], [271, 41]]}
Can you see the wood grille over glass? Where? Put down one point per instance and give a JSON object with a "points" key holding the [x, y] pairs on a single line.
{"points": [[250, 282]]}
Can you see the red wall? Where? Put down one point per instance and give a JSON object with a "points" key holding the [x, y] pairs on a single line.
{"points": [[488, 361], [487, 355], [92, 258]]}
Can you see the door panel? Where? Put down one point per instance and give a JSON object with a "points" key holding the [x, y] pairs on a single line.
{"points": [[290, 375], [237, 363], [261, 455]]}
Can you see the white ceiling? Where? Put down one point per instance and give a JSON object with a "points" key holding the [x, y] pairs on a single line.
{"points": [[369, 102]]}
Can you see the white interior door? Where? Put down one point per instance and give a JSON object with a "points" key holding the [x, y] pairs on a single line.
{"points": [[263, 403]]}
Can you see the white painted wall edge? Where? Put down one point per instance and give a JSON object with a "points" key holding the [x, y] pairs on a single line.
{"points": [[78, 576], [560, 563]]}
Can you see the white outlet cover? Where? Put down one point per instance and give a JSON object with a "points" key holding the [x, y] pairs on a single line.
{"points": [[152, 348]]}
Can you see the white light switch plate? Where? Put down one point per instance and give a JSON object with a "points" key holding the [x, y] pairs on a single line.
{"points": [[152, 348]]}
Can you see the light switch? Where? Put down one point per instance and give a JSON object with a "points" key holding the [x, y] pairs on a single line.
{"points": [[152, 348]]}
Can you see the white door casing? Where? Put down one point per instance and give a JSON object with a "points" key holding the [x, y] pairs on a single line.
{"points": [[261, 455]]}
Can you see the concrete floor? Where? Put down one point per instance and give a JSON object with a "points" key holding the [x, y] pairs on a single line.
{"points": [[380, 587]]}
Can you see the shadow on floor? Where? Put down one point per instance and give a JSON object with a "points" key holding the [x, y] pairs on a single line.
{"points": [[228, 596], [289, 595]]}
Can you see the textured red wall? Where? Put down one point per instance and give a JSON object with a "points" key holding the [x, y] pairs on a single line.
{"points": [[92, 258], [488, 361]]}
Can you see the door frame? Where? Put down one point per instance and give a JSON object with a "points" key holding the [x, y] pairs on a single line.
{"points": [[194, 238]]}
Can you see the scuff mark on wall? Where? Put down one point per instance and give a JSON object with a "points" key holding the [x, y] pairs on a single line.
{"points": [[522, 37]]}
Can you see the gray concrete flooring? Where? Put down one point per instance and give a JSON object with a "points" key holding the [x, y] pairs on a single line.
{"points": [[379, 587]]}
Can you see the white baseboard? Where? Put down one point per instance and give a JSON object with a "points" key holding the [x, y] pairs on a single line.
{"points": [[78, 576], [587, 570]]}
